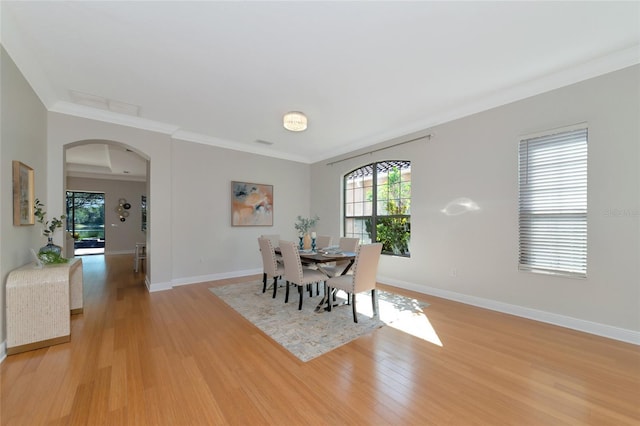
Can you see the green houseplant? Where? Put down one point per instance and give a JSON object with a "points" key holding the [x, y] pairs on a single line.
{"points": [[303, 225], [50, 253]]}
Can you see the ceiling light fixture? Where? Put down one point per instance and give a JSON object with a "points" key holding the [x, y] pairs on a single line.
{"points": [[295, 121]]}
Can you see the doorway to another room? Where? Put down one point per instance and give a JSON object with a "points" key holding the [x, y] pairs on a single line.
{"points": [[85, 221]]}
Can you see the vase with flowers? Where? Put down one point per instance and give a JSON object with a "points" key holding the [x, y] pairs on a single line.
{"points": [[303, 225], [50, 253]]}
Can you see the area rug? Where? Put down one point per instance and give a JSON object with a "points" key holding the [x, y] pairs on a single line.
{"points": [[308, 334]]}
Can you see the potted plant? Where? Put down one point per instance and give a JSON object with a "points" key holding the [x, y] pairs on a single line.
{"points": [[303, 225], [50, 253]]}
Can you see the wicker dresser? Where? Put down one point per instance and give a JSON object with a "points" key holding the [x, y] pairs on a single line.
{"points": [[39, 302]]}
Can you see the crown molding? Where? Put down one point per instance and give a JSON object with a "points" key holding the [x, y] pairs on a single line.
{"points": [[222, 143], [69, 108], [596, 67]]}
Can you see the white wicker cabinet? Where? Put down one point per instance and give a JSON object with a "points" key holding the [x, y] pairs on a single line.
{"points": [[39, 303]]}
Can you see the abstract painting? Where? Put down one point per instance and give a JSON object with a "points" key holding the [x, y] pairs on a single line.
{"points": [[251, 204]]}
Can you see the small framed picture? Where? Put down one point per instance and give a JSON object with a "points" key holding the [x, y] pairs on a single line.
{"points": [[23, 194]]}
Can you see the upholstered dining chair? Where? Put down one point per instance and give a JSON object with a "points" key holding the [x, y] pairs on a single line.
{"points": [[347, 244], [294, 272], [270, 266], [275, 240], [365, 269], [323, 241]]}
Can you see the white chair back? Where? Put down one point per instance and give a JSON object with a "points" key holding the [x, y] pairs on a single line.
{"points": [[269, 262], [349, 244], [274, 238], [292, 264], [365, 267], [323, 241]]}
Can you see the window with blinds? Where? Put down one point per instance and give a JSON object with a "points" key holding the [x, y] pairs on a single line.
{"points": [[553, 203]]}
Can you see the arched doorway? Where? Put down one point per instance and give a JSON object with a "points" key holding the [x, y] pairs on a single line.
{"points": [[121, 174]]}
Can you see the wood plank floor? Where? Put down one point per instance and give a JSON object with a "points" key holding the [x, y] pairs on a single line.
{"points": [[183, 357]]}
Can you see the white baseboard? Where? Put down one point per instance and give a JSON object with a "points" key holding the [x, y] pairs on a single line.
{"points": [[176, 282], [598, 329], [157, 286], [213, 277], [109, 252]]}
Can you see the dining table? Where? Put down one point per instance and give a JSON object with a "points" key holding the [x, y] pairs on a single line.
{"points": [[319, 257], [325, 256]]}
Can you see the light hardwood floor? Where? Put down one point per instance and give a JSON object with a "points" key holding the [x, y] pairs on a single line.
{"points": [[183, 357]]}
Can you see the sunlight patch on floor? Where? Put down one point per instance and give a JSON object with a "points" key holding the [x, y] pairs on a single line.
{"points": [[408, 319], [417, 325]]}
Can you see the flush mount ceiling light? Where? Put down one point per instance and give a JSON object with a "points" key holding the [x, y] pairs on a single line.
{"points": [[295, 121]]}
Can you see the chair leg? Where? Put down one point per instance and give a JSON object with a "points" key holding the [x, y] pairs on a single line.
{"points": [[374, 302], [264, 282], [310, 288], [275, 286], [317, 289], [327, 294], [286, 297], [301, 293], [353, 303]]}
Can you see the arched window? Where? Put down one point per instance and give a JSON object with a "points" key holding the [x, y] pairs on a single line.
{"points": [[377, 205]]}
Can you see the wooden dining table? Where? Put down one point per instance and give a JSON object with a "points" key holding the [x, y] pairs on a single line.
{"points": [[319, 257], [322, 257]]}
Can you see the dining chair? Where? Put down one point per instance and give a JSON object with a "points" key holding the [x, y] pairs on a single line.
{"points": [[275, 240], [334, 269], [294, 272], [270, 266], [323, 241], [365, 269]]}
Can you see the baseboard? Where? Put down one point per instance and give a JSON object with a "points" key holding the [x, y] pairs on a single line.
{"points": [[110, 252], [214, 277], [590, 327], [157, 286]]}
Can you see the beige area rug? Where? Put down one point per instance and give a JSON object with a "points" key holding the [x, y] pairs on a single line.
{"points": [[306, 333]]}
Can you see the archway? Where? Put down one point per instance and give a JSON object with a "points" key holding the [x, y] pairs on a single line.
{"points": [[121, 173]]}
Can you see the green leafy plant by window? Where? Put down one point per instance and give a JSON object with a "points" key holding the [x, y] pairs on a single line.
{"points": [[394, 232]]}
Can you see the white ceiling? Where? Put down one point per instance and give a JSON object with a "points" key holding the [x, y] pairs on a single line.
{"points": [[224, 73], [105, 160]]}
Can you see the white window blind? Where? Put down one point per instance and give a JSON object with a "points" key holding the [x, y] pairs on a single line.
{"points": [[553, 203]]}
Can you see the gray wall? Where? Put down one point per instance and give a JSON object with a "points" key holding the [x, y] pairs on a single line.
{"points": [[120, 237], [190, 237], [472, 257], [23, 132], [205, 245]]}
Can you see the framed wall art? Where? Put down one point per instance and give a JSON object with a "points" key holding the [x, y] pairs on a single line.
{"points": [[23, 197], [251, 204]]}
